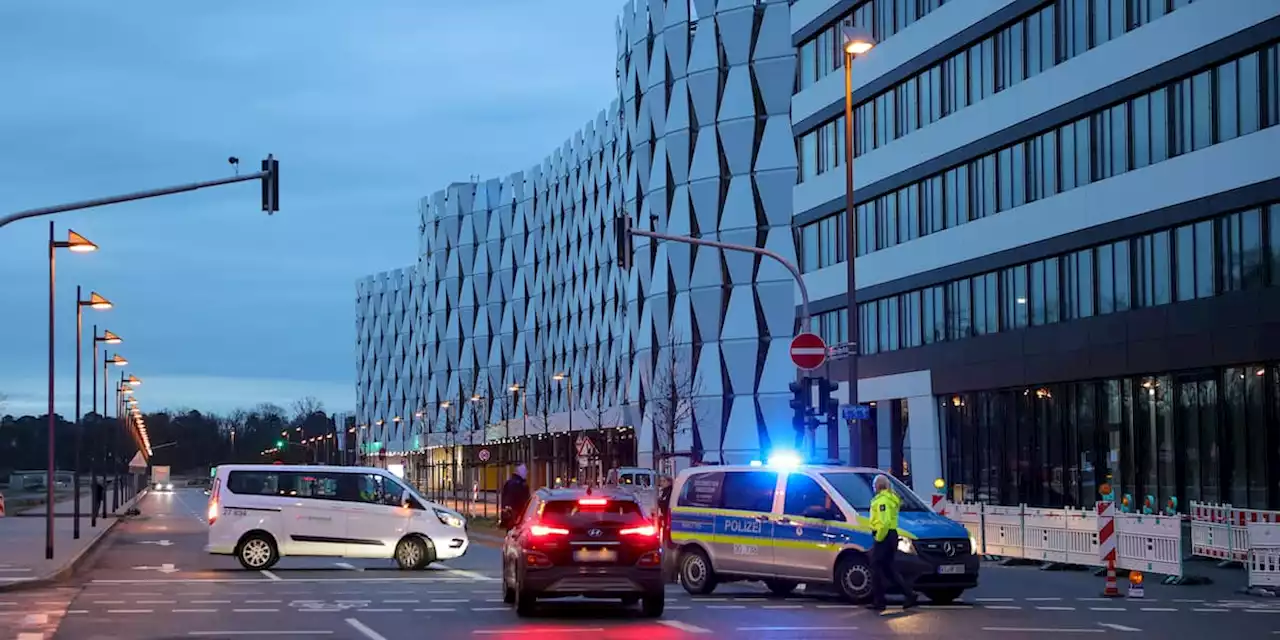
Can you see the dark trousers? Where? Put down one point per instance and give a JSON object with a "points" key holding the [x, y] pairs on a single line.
{"points": [[884, 573]]}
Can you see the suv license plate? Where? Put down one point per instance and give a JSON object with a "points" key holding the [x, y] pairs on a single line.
{"points": [[951, 569], [595, 555]]}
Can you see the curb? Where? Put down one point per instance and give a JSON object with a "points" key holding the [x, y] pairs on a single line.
{"points": [[76, 560]]}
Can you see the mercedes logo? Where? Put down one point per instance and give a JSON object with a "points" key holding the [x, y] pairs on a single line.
{"points": [[949, 549], [595, 533]]}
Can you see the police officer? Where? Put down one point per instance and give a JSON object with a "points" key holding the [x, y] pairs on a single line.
{"points": [[884, 526]]}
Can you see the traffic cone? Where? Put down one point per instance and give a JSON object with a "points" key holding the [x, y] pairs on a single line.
{"points": [[1135, 585], [1111, 590]]}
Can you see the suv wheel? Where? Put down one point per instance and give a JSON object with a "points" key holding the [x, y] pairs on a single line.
{"points": [[508, 591], [525, 601], [696, 575], [853, 578], [652, 606]]}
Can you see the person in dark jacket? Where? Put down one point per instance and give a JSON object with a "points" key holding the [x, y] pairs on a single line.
{"points": [[99, 498], [514, 498]]}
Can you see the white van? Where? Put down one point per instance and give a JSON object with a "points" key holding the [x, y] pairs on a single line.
{"points": [[260, 513]]}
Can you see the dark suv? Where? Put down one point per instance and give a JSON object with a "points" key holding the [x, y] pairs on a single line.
{"points": [[573, 542]]}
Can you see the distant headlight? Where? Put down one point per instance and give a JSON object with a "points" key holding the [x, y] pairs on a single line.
{"points": [[905, 546], [450, 519], [168, 487]]}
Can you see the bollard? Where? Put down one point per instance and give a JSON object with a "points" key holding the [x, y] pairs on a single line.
{"points": [[1109, 588], [1135, 585], [1107, 539]]}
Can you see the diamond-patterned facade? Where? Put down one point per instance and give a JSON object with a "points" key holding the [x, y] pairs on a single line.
{"points": [[517, 279]]}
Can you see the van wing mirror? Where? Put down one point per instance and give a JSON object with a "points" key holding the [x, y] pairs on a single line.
{"points": [[406, 499]]}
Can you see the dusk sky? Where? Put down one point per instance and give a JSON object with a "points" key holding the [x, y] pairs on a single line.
{"points": [[367, 105]]}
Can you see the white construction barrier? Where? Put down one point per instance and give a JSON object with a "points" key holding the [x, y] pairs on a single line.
{"points": [[1002, 530], [1263, 560], [1149, 543], [969, 514], [1220, 531]]}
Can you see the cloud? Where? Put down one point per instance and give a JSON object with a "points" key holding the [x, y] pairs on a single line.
{"points": [[369, 106]]}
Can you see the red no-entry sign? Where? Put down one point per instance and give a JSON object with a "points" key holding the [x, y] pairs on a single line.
{"points": [[808, 351]]}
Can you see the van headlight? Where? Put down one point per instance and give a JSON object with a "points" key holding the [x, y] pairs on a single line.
{"points": [[905, 546], [450, 519]]}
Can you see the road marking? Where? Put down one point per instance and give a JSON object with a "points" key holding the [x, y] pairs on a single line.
{"points": [[449, 600], [1189, 600], [1094, 599], [15, 570], [1118, 627], [259, 633], [157, 602], [108, 601], [365, 631], [1107, 609], [130, 610], [271, 576], [1159, 609], [263, 601], [993, 599], [780, 606], [36, 618], [436, 610], [1212, 610], [348, 566], [415, 601], [1003, 607], [726, 606], [77, 611], [1042, 630], [1262, 610], [256, 610], [1043, 599], [380, 610], [797, 628], [676, 607], [1056, 608], [488, 608], [210, 602], [195, 610], [684, 626], [539, 631], [835, 606]]}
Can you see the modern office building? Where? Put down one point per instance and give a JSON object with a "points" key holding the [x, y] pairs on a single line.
{"points": [[1068, 239], [1068, 252]]}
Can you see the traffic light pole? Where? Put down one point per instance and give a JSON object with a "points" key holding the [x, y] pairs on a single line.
{"points": [[805, 322], [270, 175]]}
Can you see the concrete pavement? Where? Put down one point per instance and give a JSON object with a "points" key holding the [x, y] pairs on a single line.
{"points": [[151, 579], [22, 542]]}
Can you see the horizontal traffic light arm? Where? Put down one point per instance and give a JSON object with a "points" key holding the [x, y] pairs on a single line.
{"points": [[153, 193]]}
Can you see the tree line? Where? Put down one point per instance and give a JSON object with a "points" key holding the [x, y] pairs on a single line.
{"points": [[188, 440]]}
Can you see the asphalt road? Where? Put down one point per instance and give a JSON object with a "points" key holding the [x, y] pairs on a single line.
{"points": [[150, 580]]}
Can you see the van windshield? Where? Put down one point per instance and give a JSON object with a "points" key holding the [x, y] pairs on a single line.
{"points": [[859, 489]]}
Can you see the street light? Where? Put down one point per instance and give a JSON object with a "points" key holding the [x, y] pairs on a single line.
{"points": [[106, 338], [78, 244], [857, 41], [133, 381], [100, 303]]}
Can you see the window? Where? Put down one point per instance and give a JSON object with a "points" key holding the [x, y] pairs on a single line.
{"points": [[749, 490], [823, 53], [254, 483], [859, 488], [285, 483], [806, 498], [571, 513], [378, 489], [702, 490]]}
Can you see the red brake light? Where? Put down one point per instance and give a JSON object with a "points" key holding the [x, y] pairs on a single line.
{"points": [[213, 501], [593, 502], [540, 531], [647, 530]]}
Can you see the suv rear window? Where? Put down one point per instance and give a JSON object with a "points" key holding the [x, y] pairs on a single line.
{"points": [[570, 512]]}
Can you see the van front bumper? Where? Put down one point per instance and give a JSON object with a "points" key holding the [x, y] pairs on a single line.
{"points": [[928, 572]]}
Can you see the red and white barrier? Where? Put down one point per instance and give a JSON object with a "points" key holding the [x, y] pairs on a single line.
{"points": [[1220, 531]]}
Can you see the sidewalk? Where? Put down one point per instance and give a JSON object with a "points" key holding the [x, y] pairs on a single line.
{"points": [[22, 561]]}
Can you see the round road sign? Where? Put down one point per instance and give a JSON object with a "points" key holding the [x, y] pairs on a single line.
{"points": [[808, 351], [483, 455]]}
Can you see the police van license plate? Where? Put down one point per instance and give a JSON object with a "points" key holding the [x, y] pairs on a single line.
{"points": [[949, 569], [595, 555]]}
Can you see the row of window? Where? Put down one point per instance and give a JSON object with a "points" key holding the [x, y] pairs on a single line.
{"points": [[833, 326], [824, 52], [755, 491], [1208, 435], [348, 487], [1199, 260], [1049, 36], [1234, 98]]}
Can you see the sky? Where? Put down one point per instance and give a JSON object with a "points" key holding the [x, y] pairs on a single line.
{"points": [[369, 106]]}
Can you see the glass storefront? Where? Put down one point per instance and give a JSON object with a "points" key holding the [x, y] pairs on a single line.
{"points": [[1209, 435]]}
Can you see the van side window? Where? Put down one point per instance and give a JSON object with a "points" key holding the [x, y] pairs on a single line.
{"points": [[379, 489], [702, 490], [254, 483], [807, 499], [293, 484], [750, 490], [626, 478]]}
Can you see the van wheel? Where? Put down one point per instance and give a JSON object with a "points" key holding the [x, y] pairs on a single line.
{"points": [[781, 587], [853, 578], [696, 575], [411, 553], [257, 552]]}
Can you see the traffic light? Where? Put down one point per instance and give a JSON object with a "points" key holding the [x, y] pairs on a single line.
{"points": [[626, 246], [279, 444], [827, 405], [271, 185], [799, 403]]}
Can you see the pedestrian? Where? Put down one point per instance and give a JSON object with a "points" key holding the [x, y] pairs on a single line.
{"points": [[664, 506], [99, 497], [884, 528], [514, 498]]}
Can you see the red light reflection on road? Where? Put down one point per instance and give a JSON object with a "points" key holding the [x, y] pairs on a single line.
{"points": [[550, 631]]}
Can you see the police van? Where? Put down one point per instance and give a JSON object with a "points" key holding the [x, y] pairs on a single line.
{"points": [[788, 524]]}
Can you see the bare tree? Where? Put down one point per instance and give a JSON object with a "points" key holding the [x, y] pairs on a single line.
{"points": [[671, 403], [305, 408]]}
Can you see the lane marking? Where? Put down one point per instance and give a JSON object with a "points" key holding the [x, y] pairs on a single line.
{"points": [[35, 619], [1042, 630], [1056, 608], [1160, 609], [259, 633], [263, 601], [365, 631], [1262, 610], [348, 566], [417, 601], [797, 629], [157, 602], [1107, 609], [210, 602], [1094, 599], [255, 610], [1201, 610], [271, 576], [684, 626], [195, 610], [1189, 600], [1118, 627], [519, 631], [678, 607], [449, 600], [1043, 599], [993, 599], [780, 606], [726, 606], [380, 610], [108, 601], [436, 610], [130, 610], [1004, 607]]}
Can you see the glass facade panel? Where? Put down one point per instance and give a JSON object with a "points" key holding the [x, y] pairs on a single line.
{"points": [[1194, 435]]}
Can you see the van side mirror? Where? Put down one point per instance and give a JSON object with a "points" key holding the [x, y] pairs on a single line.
{"points": [[406, 499]]}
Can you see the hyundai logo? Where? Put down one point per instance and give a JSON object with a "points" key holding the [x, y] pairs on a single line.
{"points": [[949, 549], [595, 533]]}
